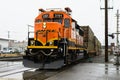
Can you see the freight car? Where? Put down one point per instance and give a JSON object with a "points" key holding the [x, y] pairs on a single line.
{"points": [[91, 43], [97, 45], [57, 41]]}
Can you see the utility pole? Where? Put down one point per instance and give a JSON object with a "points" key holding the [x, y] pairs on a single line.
{"points": [[117, 41], [117, 31], [106, 29]]}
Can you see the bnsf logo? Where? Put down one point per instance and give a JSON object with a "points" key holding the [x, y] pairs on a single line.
{"points": [[42, 31]]}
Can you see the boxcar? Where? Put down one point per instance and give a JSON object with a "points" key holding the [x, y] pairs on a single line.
{"points": [[91, 43]]}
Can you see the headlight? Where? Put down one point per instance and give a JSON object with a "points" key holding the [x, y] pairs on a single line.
{"points": [[52, 50], [44, 25], [51, 43]]}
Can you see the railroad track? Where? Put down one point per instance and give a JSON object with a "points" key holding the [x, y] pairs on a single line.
{"points": [[13, 70], [4, 64], [10, 70]]}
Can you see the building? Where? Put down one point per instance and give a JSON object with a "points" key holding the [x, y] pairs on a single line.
{"points": [[20, 45], [17, 46], [5, 43]]}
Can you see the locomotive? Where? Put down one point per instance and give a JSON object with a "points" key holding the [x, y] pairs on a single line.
{"points": [[57, 40]]}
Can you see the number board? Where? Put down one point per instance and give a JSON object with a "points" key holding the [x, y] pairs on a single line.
{"points": [[58, 15]]}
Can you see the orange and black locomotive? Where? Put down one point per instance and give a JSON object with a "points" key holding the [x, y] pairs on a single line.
{"points": [[57, 41]]}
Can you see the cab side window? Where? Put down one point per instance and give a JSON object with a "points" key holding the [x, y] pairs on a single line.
{"points": [[67, 22]]}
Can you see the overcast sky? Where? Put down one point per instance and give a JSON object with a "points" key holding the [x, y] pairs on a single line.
{"points": [[15, 15]]}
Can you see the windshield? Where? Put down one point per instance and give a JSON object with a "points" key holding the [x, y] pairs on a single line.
{"points": [[59, 20], [47, 20]]}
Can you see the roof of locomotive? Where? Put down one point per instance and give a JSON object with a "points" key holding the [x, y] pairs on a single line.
{"points": [[67, 9], [59, 11]]}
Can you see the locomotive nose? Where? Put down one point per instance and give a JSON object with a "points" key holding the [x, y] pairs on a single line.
{"points": [[47, 33]]}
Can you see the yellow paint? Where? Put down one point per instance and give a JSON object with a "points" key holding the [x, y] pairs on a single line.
{"points": [[41, 47], [74, 48], [47, 41]]}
